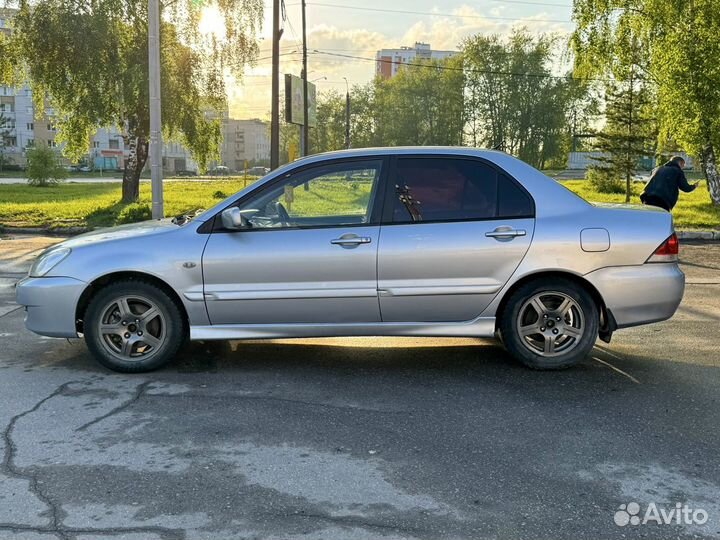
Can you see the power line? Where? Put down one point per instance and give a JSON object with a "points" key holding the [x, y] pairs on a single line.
{"points": [[521, 2], [527, 3], [461, 69], [434, 14]]}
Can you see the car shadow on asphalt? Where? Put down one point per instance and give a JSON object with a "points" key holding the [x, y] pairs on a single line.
{"points": [[481, 362]]}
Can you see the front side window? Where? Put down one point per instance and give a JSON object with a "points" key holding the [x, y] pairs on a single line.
{"points": [[449, 189], [330, 195]]}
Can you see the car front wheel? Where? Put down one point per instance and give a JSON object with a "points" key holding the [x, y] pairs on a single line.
{"points": [[133, 326], [550, 324]]}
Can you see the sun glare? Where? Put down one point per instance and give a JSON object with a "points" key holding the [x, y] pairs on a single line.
{"points": [[212, 22]]}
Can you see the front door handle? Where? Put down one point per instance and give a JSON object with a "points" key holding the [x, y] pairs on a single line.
{"points": [[505, 232], [351, 240]]}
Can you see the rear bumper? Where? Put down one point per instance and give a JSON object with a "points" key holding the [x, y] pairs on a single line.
{"points": [[50, 304], [641, 294]]}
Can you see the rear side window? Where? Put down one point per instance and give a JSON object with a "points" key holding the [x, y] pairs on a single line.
{"points": [[513, 201], [447, 189]]}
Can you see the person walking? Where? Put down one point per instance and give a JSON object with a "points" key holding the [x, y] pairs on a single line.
{"points": [[665, 184]]}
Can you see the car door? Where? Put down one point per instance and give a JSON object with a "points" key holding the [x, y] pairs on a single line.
{"points": [[454, 231], [308, 253]]}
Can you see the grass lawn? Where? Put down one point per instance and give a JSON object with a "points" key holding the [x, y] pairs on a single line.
{"points": [[96, 204], [693, 211]]}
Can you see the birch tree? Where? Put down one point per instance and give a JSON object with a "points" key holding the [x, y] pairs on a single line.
{"points": [[89, 60]]}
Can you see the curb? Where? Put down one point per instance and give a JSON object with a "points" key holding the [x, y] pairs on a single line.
{"points": [[46, 231], [707, 236]]}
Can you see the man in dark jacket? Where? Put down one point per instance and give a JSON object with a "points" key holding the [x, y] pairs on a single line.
{"points": [[665, 184]]}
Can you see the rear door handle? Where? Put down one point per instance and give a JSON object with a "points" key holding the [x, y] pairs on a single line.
{"points": [[351, 240], [505, 232]]}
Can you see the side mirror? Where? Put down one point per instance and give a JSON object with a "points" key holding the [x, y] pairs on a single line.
{"points": [[233, 219]]}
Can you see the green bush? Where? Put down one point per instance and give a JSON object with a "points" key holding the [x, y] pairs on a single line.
{"points": [[605, 180], [44, 167], [219, 195], [134, 212]]}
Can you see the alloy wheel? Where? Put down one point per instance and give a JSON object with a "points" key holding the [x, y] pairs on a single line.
{"points": [[132, 328], [550, 324]]}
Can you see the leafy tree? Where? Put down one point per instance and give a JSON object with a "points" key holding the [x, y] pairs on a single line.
{"points": [[330, 131], [628, 134], [91, 58], [421, 105], [680, 42], [362, 116], [44, 167], [514, 102]]}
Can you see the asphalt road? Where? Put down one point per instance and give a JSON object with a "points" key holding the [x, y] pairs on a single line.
{"points": [[362, 438]]}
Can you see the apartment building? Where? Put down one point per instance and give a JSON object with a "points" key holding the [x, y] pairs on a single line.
{"points": [[22, 128], [390, 61], [245, 140]]}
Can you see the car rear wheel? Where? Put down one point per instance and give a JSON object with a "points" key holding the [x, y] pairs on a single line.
{"points": [[550, 324], [133, 326]]}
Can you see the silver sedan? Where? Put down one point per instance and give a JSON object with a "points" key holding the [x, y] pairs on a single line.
{"points": [[394, 242]]}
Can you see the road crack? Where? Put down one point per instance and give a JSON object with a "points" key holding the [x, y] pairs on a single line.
{"points": [[162, 532], [139, 391], [10, 469], [55, 525]]}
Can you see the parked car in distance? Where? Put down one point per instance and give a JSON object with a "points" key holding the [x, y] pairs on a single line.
{"points": [[389, 241], [85, 168], [258, 171], [185, 173], [220, 170]]}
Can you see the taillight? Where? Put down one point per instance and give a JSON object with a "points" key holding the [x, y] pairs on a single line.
{"points": [[667, 251]]}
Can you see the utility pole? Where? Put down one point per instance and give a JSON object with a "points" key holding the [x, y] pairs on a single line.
{"points": [[275, 107], [158, 211], [305, 128], [347, 113]]}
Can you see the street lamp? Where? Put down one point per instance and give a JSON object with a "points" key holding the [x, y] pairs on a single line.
{"points": [[347, 113], [158, 210]]}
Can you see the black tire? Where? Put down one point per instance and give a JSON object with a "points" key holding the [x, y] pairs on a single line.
{"points": [[170, 317], [584, 313]]}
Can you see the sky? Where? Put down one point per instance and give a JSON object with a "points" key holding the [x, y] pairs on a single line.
{"points": [[360, 29]]}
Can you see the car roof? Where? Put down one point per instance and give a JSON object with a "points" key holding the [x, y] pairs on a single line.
{"points": [[399, 150]]}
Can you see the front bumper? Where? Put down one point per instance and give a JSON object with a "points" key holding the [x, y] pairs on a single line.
{"points": [[641, 294], [50, 304]]}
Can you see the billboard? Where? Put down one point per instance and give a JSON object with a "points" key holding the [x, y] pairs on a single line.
{"points": [[294, 101]]}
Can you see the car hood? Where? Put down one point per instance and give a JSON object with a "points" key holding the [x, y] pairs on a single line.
{"points": [[131, 230]]}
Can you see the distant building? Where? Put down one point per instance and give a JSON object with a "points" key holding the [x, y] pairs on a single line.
{"points": [[390, 61], [245, 140], [21, 128]]}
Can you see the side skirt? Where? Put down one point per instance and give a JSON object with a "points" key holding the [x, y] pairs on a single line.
{"points": [[480, 327]]}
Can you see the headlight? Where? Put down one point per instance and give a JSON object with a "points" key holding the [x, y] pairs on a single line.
{"points": [[47, 261]]}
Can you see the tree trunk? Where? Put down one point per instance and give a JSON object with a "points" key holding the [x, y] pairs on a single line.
{"points": [[628, 186], [134, 163], [709, 161]]}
